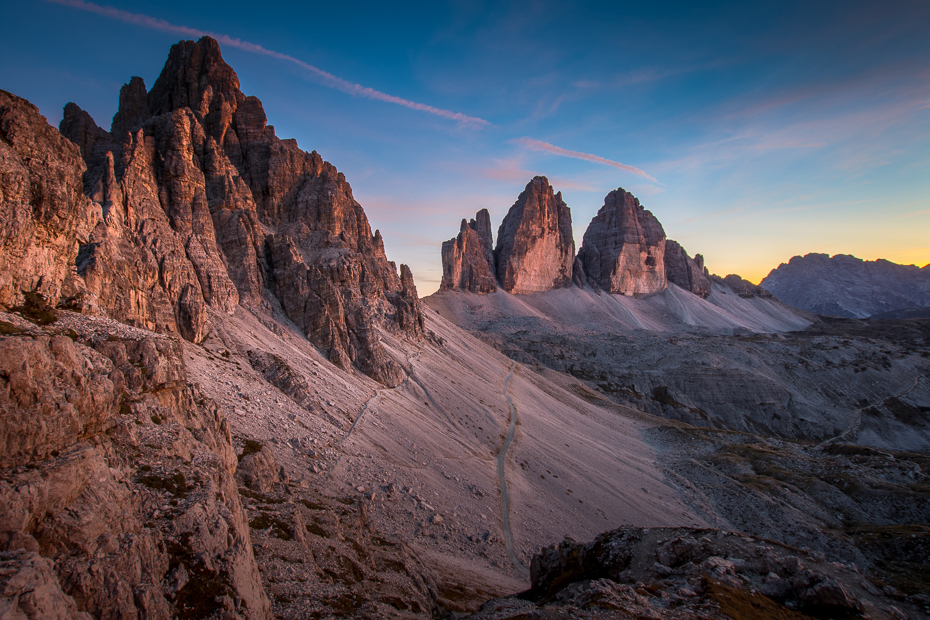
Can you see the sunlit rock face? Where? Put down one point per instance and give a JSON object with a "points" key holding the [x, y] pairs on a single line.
{"points": [[535, 249], [467, 260], [623, 250], [686, 272], [201, 206], [43, 211]]}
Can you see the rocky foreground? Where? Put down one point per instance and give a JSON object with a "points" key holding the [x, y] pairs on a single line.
{"points": [[218, 399], [692, 573]]}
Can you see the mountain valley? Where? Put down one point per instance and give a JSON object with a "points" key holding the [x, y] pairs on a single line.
{"points": [[220, 399]]}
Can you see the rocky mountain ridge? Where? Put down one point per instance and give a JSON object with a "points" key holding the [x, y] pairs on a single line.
{"points": [[117, 496], [191, 201], [624, 251], [846, 286], [196, 441]]}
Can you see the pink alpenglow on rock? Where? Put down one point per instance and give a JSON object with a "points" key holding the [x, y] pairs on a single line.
{"points": [[192, 204], [535, 249], [623, 250], [467, 260]]}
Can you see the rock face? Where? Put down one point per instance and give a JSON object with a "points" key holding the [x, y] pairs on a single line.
{"points": [[191, 205], [686, 272], [40, 371], [535, 251], [623, 250], [468, 260], [43, 211], [847, 286], [117, 497]]}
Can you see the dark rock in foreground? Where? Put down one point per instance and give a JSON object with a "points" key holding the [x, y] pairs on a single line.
{"points": [[694, 573]]}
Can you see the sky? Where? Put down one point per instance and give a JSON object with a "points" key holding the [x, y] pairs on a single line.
{"points": [[754, 131]]}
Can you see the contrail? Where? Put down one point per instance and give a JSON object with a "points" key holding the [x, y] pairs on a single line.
{"points": [[538, 145], [328, 79]]}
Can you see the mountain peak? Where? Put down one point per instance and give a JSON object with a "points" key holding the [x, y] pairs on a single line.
{"points": [[623, 250], [195, 76], [535, 249]]}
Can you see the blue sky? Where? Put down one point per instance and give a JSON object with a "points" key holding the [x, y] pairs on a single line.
{"points": [[753, 131]]}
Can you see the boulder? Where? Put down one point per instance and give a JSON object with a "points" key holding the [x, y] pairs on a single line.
{"points": [[29, 589], [258, 470]]}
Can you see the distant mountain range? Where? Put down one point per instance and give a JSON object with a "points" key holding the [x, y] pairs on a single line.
{"points": [[846, 286]]}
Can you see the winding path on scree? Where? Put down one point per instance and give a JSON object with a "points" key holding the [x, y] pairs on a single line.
{"points": [[502, 479]]}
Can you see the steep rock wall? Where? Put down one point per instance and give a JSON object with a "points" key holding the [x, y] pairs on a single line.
{"points": [[623, 250], [192, 202], [467, 260], [686, 272], [535, 250]]}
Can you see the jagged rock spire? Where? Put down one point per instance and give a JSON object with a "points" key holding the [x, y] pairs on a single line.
{"points": [[467, 260], [535, 249], [623, 250], [204, 207]]}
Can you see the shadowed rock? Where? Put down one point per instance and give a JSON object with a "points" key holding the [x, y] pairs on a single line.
{"points": [[686, 272], [847, 286], [624, 247]]}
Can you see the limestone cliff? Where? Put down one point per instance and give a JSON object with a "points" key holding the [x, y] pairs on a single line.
{"points": [[623, 250], [467, 260], [202, 206], [117, 497], [43, 211], [535, 249], [686, 272]]}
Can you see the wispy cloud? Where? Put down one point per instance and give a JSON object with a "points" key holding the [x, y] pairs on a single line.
{"points": [[514, 170], [914, 214], [538, 145], [324, 77]]}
